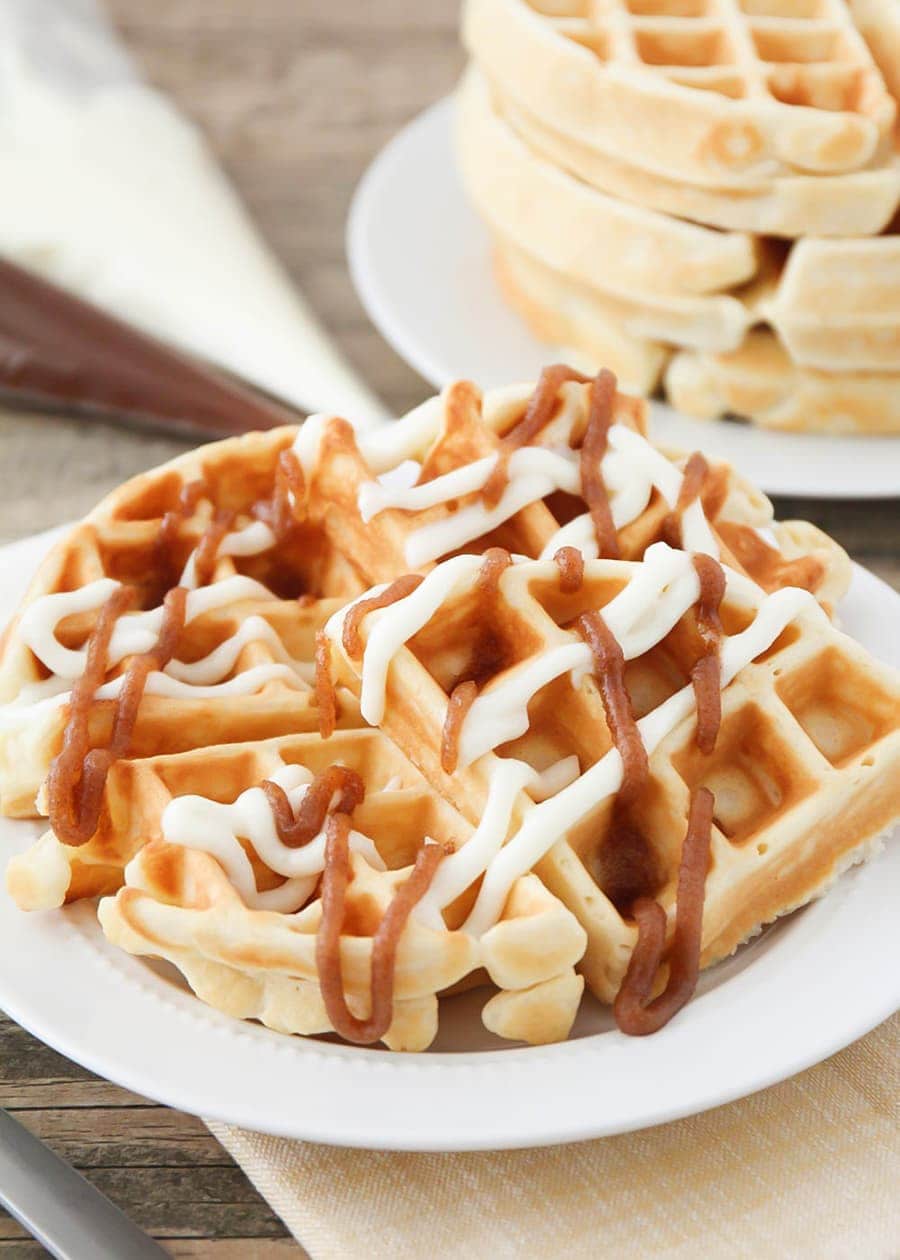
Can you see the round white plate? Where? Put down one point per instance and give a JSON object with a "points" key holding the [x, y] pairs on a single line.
{"points": [[420, 259], [805, 988]]}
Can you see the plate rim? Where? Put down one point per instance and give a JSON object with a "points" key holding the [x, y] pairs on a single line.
{"points": [[399, 1078], [434, 122]]}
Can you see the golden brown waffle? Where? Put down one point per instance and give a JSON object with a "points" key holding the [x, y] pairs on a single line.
{"points": [[804, 769], [760, 380], [711, 92], [635, 210], [257, 632], [855, 203], [599, 239], [258, 961], [239, 561], [878, 22], [836, 307], [569, 253], [462, 427], [587, 328]]}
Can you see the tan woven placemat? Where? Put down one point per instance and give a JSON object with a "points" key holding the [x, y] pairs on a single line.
{"points": [[808, 1168]]}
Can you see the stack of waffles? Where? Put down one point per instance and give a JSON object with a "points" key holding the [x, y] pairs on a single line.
{"points": [[701, 194], [497, 696]]}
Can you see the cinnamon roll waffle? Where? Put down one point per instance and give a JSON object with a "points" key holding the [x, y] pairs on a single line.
{"points": [[804, 740], [500, 694], [198, 895]]}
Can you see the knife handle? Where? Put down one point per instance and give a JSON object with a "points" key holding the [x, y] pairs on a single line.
{"points": [[65, 1213]]}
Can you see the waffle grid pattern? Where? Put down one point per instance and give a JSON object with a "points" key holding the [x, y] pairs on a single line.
{"points": [[764, 117], [808, 743]]}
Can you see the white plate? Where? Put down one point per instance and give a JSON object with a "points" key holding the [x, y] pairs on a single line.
{"points": [[807, 987], [420, 259]]}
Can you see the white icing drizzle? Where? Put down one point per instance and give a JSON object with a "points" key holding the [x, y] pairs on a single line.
{"points": [[552, 780], [632, 467], [138, 632], [391, 627], [222, 660], [195, 822], [659, 593], [306, 443], [660, 590], [252, 540], [388, 444], [534, 473], [40, 698], [550, 819], [459, 871]]}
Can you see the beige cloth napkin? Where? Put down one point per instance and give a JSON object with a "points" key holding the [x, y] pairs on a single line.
{"points": [[809, 1169]]}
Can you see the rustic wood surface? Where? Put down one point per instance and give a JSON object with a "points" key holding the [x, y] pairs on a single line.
{"points": [[296, 97]]}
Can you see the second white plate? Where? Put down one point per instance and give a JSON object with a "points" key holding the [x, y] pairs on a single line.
{"points": [[420, 259]]}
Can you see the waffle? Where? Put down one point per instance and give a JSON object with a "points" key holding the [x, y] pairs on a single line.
{"points": [[879, 24], [804, 768], [759, 380], [601, 240], [659, 279], [246, 657], [709, 92], [244, 935], [803, 377], [360, 493], [586, 328], [854, 203], [308, 871], [837, 305]]}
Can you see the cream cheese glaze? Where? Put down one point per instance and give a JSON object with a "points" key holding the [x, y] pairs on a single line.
{"points": [[661, 589], [195, 822], [138, 632], [631, 466]]}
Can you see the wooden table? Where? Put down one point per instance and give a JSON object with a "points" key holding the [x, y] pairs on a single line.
{"points": [[296, 97]]}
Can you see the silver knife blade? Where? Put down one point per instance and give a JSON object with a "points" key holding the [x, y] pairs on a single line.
{"points": [[65, 1213]]}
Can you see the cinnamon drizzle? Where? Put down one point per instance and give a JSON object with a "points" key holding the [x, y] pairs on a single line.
{"points": [[326, 698], [350, 636], [78, 774], [765, 563], [462, 698], [496, 561], [537, 414], [68, 784], [634, 1013], [297, 830], [165, 557], [696, 471], [706, 676], [609, 670], [335, 880], [278, 512], [570, 562], [208, 547], [593, 448], [484, 661], [189, 496], [318, 807]]}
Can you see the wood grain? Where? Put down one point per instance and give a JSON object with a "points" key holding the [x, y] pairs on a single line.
{"points": [[296, 98]]}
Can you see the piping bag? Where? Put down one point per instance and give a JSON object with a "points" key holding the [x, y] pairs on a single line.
{"points": [[113, 197]]}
